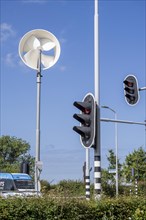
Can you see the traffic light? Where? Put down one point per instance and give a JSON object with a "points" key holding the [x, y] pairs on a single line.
{"points": [[86, 119], [24, 168], [131, 90]]}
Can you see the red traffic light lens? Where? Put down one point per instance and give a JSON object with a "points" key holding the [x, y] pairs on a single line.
{"points": [[87, 111], [128, 83]]}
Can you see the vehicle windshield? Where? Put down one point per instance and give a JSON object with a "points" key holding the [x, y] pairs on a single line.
{"points": [[23, 181], [24, 184]]}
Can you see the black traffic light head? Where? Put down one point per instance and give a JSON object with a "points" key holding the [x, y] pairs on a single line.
{"points": [[86, 130], [131, 90], [24, 168]]}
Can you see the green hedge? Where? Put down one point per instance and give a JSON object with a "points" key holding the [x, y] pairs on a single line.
{"points": [[46, 208]]}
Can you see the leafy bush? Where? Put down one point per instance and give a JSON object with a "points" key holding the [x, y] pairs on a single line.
{"points": [[46, 208], [45, 186], [68, 188]]}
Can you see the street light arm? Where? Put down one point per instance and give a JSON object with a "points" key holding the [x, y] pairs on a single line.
{"points": [[104, 106]]}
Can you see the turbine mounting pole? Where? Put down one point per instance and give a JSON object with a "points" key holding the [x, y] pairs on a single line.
{"points": [[37, 158]]}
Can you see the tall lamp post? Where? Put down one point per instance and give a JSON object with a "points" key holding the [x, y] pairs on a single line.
{"points": [[116, 146]]}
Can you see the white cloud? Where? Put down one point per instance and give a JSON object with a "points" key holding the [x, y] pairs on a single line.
{"points": [[10, 59], [63, 40], [62, 36], [62, 68], [6, 31]]}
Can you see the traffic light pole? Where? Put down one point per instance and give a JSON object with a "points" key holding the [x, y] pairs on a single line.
{"points": [[97, 151], [87, 174], [97, 157]]}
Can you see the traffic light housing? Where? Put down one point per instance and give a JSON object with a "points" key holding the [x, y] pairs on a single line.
{"points": [[86, 130], [131, 90], [24, 168]]}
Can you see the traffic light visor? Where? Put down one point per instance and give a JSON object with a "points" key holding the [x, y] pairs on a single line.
{"points": [[128, 83]]}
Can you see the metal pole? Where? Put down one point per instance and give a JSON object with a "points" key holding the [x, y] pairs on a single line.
{"points": [[96, 59], [116, 146], [143, 88], [37, 158], [122, 121], [87, 176], [97, 153]]}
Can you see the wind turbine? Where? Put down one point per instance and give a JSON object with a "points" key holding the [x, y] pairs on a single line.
{"points": [[39, 49]]}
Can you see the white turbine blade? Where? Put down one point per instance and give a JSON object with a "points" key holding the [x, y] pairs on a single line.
{"points": [[46, 44], [31, 58], [47, 61], [31, 43]]}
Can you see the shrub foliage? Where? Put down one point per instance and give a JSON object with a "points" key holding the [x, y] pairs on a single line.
{"points": [[46, 208]]}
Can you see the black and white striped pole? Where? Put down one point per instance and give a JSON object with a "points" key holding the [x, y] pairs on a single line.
{"points": [[136, 187], [97, 153], [87, 175]]}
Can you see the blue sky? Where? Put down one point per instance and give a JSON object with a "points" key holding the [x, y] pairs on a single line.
{"points": [[122, 33]]}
